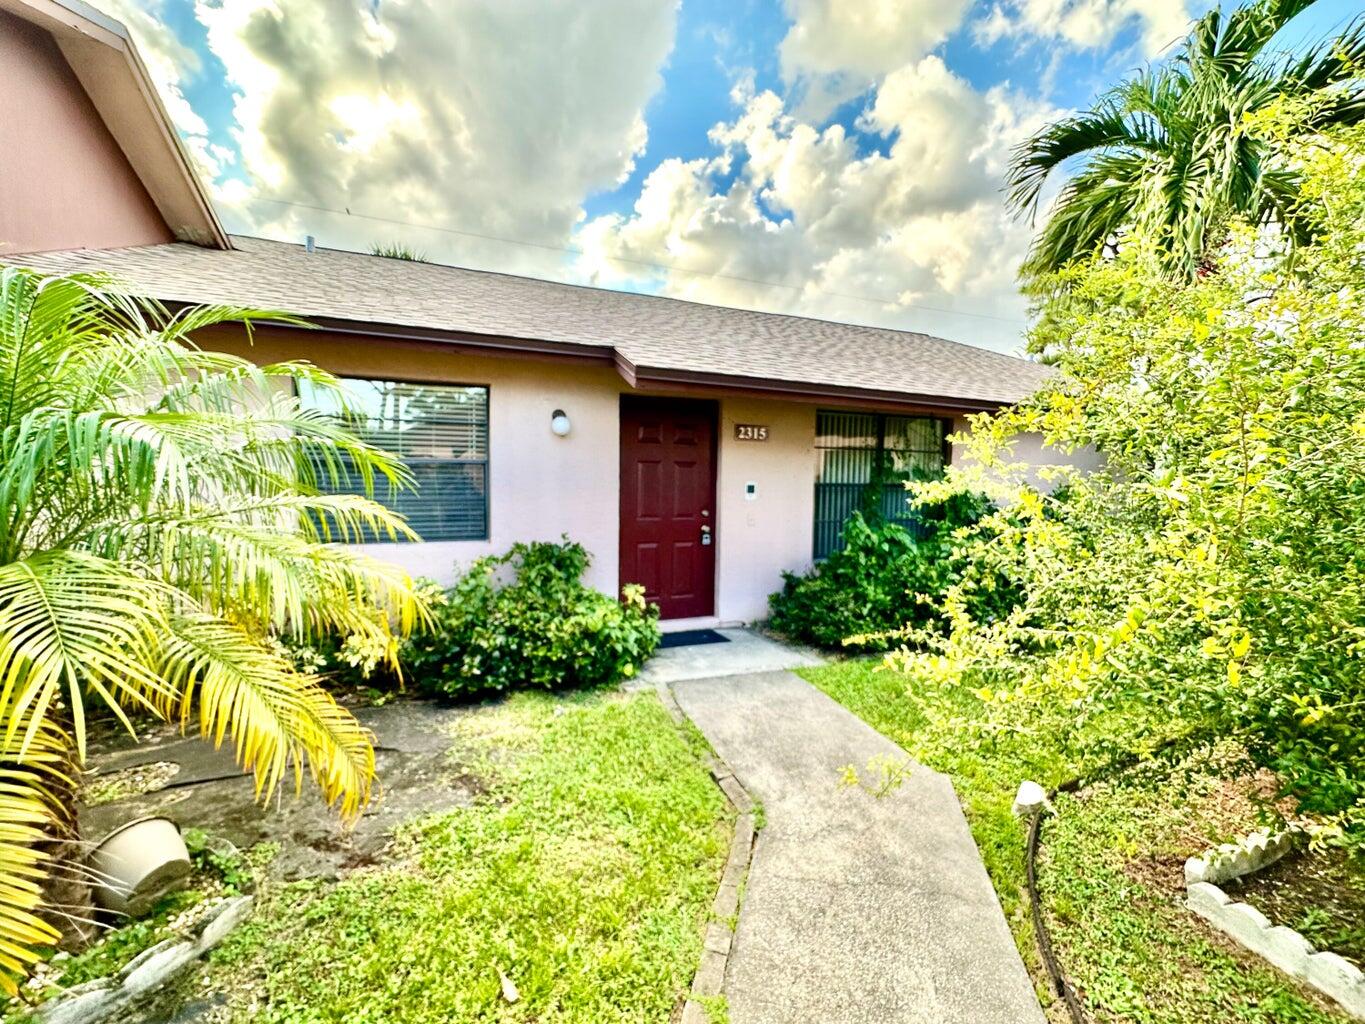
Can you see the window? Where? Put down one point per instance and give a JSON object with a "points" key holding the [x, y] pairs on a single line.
{"points": [[862, 461], [441, 432]]}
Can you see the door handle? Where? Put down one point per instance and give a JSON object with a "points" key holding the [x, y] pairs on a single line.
{"points": [[705, 536]]}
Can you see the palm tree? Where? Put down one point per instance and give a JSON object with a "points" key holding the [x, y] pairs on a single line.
{"points": [[1174, 151], [160, 519]]}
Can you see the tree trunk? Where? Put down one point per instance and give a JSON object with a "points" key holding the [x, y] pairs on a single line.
{"points": [[68, 895]]}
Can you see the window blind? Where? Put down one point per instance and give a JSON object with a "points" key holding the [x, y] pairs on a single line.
{"points": [[440, 431], [863, 461]]}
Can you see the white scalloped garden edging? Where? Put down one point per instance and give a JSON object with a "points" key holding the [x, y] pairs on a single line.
{"points": [[1233, 860], [1330, 974]]}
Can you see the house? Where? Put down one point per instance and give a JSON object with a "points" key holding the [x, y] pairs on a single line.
{"points": [[696, 449]]}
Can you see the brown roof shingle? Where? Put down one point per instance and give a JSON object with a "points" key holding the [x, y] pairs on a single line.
{"points": [[651, 333]]}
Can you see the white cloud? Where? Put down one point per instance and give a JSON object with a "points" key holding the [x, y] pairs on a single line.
{"points": [[921, 225], [500, 119], [866, 37], [491, 118], [836, 49], [1086, 24]]}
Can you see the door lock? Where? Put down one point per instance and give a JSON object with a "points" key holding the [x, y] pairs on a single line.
{"points": [[705, 535]]}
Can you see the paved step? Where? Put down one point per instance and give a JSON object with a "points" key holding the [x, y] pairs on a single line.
{"points": [[743, 652]]}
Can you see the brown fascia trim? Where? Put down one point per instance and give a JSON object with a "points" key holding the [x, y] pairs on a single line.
{"points": [[105, 60], [642, 378], [763, 387], [434, 339]]}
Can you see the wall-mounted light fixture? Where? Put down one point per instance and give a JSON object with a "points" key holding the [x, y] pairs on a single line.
{"points": [[559, 423]]}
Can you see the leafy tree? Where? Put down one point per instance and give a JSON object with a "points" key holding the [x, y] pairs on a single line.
{"points": [[1210, 580], [1175, 151], [160, 517]]}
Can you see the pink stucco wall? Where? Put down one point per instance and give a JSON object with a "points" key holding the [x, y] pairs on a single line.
{"points": [[542, 486], [762, 536], [67, 184]]}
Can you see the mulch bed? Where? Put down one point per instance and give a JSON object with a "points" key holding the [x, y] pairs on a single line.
{"points": [[1320, 894]]}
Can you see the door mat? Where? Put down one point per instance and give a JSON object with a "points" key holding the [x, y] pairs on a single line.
{"points": [[693, 638]]}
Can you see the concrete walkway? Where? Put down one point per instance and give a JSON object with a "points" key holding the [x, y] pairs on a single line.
{"points": [[859, 909]]}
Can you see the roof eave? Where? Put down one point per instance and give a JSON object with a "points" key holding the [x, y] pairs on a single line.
{"points": [[646, 377], [447, 340], [106, 62], [640, 377]]}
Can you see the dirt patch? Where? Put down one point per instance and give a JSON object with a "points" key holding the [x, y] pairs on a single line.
{"points": [[1319, 894], [1214, 810], [1162, 872], [418, 773], [1224, 808], [474, 785]]}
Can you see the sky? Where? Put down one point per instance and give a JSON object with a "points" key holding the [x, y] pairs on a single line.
{"points": [[840, 159]]}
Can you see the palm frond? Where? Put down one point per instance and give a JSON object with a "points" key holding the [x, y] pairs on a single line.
{"points": [[1094, 208], [1248, 29], [274, 572], [30, 811], [72, 623], [160, 514], [1105, 127], [1191, 125], [278, 720]]}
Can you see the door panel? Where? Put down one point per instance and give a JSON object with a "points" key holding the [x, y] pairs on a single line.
{"points": [[668, 503], [649, 490]]}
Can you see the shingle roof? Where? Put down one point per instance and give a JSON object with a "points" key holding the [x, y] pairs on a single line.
{"points": [[649, 332]]}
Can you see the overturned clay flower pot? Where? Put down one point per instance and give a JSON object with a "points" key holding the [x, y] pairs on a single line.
{"points": [[137, 863]]}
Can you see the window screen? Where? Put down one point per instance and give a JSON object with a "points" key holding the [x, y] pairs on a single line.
{"points": [[863, 461], [441, 432]]}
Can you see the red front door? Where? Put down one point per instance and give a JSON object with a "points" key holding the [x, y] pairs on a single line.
{"points": [[668, 503]]}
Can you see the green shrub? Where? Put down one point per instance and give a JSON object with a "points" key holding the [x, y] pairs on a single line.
{"points": [[542, 627], [866, 595]]}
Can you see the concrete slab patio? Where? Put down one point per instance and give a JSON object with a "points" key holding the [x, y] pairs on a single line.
{"points": [[859, 909]]}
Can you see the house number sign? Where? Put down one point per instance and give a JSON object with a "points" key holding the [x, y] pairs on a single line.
{"points": [[751, 432]]}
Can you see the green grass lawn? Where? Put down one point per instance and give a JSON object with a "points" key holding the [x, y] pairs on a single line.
{"points": [[585, 873], [1111, 866]]}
